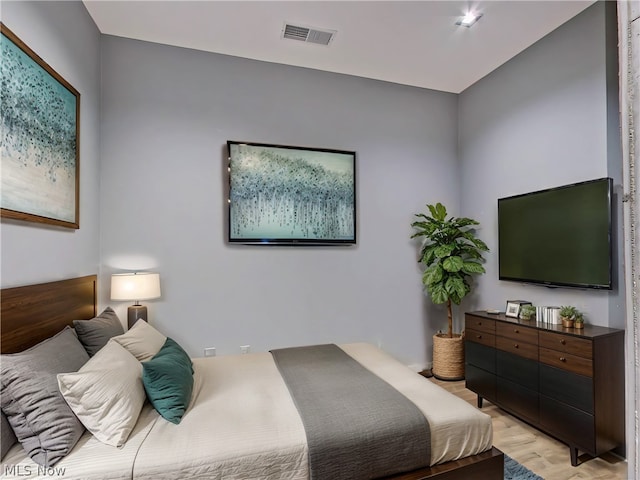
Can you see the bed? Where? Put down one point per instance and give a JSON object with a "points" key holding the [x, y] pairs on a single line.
{"points": [[241, 422]]}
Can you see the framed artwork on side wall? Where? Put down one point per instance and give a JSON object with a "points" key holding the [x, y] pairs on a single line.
{"points": [[39, 148]]}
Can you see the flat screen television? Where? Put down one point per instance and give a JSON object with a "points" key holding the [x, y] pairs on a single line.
{"points": [[283, 195], [558, 237]]}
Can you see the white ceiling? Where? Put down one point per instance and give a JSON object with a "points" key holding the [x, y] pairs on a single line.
{"points": [[408, 42]]}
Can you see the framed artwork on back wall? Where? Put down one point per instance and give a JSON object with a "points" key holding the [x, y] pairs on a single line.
{"points": [[283, 195]]}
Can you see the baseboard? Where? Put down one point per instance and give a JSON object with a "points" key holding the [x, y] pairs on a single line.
{"points": [[420, 367]]}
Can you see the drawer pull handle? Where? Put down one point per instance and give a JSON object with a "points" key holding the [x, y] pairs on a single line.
{"points": [[479, 323], [563, 342], [478, 336], [516, 331], [562, 359], [516, 345]]}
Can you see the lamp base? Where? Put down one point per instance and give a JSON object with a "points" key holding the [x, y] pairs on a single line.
{"points": [[135, 313]]}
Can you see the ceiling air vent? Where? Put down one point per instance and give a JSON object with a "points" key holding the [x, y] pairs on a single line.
{"points": [[308, 34]]}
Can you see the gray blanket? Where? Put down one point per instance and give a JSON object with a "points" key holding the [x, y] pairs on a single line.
{"points": [[357, 425]]}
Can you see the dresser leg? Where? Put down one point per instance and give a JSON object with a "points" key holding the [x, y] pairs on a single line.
{"points": [[479, 401], [574, 456]]}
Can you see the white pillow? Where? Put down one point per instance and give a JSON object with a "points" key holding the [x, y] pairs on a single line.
{"points": [[106, 394], [142, 340]]}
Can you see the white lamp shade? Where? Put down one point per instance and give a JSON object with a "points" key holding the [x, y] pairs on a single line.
{"points": [[135, 286]]}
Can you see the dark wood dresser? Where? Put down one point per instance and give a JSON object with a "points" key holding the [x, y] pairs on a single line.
{"points": [[566, 382]]}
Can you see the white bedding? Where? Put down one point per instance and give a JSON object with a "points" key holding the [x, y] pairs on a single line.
{"points": [[89, 459], [242, 424]]}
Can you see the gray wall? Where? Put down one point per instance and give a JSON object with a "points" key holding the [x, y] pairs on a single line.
{"points": [[539, 121], [166, 116], [156, 199], [64, 35]]}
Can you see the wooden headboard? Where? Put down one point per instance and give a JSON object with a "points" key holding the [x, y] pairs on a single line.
{"points": [[33, 313]]}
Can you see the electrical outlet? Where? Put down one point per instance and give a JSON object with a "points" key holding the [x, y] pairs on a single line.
{"points": [[245, 349], [210, 352]]}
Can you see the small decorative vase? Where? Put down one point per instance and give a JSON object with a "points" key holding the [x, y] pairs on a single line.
{"points": [[567, 322], [578, 325]]}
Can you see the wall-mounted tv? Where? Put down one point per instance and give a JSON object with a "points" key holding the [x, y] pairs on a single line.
{"points": [[282, 195], [558, 237]]}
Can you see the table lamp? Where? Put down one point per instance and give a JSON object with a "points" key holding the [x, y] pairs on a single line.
{"points": [[135, 286]]}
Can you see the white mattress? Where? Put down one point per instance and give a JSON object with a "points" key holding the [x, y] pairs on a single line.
{"points": [[242, 424]]}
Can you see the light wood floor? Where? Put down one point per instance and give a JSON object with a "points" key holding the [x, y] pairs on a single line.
{"points": [[538, 452]]}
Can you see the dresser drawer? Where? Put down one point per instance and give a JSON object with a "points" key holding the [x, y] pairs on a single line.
{"points": [[568, 424], [484, 338], [518, 370], [517, 332], [518, 399], [480, 356], [567, 343], [517, 347], [480, 324], [566, 387], [480, 381], [566, 361]]}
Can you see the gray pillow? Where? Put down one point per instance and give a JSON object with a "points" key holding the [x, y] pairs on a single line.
{"points": [[7, 437], [95, 333], [29, 396]]}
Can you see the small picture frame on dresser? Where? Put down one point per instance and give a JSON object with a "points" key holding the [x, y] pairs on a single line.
{"points": [[513, 309]]}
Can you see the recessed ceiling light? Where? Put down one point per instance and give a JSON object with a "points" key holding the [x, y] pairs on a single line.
{"points": [[469, 19]]}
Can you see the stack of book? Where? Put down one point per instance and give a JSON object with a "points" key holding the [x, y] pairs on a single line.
{"points": [[548, 315]]}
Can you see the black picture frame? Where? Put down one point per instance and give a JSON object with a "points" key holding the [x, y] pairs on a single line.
{"points": [[289, 195], [512, 310]]}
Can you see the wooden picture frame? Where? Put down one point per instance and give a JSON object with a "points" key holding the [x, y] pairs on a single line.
{"points": [[40, 115]]}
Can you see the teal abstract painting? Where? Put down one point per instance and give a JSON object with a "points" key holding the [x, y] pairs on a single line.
{"points": [[291, 195], [39, 115]]}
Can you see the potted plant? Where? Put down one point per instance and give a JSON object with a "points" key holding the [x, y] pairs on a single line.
{"points": [[527, 311], [578, 320], [451, 253], [568, 314]]}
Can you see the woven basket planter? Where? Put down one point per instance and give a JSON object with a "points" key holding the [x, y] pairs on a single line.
{"points": [[448, 357]]}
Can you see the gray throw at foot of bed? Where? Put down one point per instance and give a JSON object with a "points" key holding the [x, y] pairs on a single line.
{"points": [[357, 425]]}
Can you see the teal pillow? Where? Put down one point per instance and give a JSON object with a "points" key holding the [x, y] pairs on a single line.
{"points": [[172, 347], [168, 381]]}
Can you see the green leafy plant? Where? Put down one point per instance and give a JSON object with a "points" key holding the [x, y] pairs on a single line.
{"points": [[568, 312], [578, 318], [527, 311], [451, 253]]}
